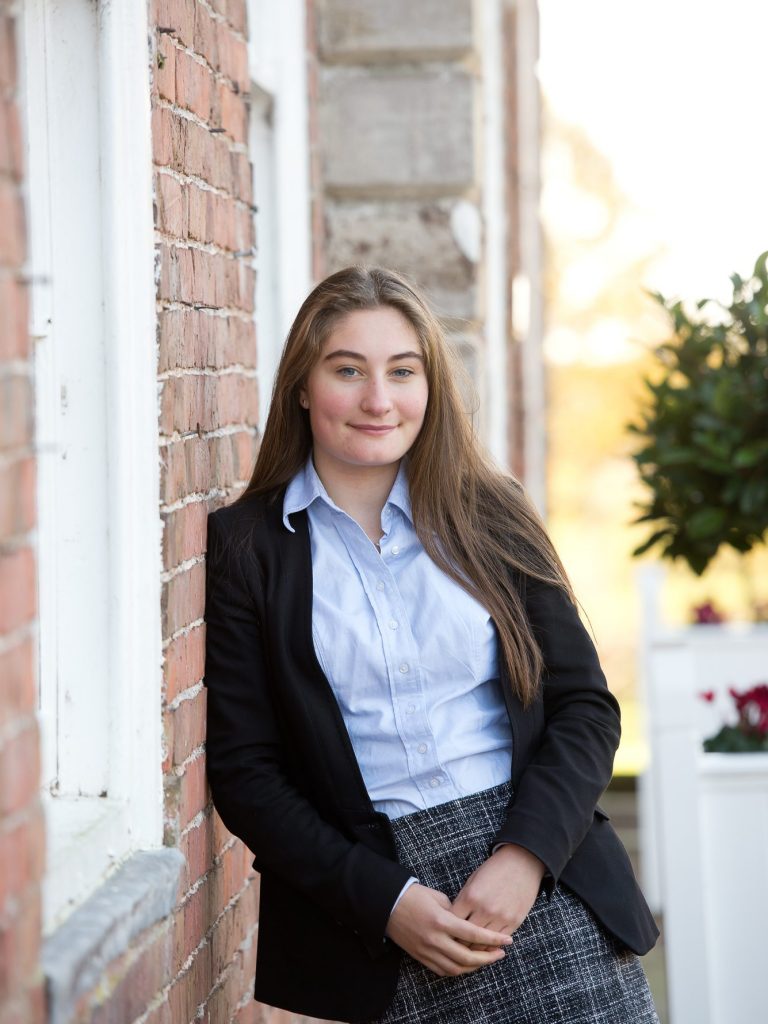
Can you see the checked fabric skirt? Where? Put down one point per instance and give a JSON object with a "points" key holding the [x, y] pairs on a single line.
{"points": [[562, 966]]}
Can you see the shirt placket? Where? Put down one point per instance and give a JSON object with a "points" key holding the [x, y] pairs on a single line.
{"points": [[401, 656]]}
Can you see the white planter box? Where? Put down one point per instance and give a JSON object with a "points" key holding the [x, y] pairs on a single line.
{"points": [[733, 823], [684, 799]]}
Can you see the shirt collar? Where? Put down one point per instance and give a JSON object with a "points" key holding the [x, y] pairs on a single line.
{"points": [[306, 487]]}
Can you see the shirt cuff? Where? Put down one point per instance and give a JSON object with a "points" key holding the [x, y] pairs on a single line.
{"points": [[411, 881]]}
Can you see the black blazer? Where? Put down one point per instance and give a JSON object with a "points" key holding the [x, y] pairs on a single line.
{"points": [[284, 776]]}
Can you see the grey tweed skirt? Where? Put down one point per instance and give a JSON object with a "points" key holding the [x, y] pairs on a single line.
{"points": [[562, 966]]}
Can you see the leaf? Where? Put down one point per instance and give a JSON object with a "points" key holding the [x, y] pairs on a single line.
{"points": [[751, 454], [705, 523], [653, 539]]}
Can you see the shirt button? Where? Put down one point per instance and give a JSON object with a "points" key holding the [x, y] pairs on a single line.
{"points": [[422, 749], [410, 709], [404, 668], [380, 585], [395, 549], [393, 623], [434, 783]]}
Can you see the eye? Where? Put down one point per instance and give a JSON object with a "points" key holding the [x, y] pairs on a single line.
{"points": [[402, 372], [347, 371]]}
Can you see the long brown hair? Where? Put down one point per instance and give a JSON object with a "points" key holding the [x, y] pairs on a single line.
{"points": [[474, 521]]}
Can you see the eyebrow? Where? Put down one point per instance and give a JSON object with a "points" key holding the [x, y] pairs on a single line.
{"points": [[347, 354]]}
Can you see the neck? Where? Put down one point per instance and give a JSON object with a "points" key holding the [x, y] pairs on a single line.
{"points": [[360, 491]]}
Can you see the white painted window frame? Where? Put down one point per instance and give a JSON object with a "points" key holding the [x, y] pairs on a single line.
{"points": [[99, 529], [279, 151]]}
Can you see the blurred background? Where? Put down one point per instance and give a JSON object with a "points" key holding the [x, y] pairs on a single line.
{"points": [[653, 163], [175, 176]]}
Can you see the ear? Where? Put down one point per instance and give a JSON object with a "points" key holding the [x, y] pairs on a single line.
{"points": [[303, 400]]}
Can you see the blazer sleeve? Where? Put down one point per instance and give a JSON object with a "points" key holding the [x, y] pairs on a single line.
{"points": [[556, 795], [252, 792]]}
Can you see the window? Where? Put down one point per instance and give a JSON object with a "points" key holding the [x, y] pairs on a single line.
{"points": [[86, 102], [279, 150]]}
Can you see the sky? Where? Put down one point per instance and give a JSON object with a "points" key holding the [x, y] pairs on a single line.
{"points": [[674, 93]]}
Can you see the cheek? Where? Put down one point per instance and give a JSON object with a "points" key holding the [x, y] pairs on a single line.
{"points": [[327, 405], [415, 406]]}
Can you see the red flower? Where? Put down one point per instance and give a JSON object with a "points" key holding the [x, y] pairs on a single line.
{"points": [[707, 614], [752, 706], [707, 695]]}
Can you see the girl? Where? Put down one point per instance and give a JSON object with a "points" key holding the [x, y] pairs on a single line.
{"points": [[407, 721]]}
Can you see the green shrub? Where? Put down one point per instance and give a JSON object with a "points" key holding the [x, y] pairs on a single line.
{"points": [[704, 427]]}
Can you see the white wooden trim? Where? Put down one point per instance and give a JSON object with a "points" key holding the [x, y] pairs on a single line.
{"points": [[496, 227], [135, 552], [88, 87], [531, 253], [277, 58]]}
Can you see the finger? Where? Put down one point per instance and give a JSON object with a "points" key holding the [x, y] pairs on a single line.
{"points": [[473, 934], [468, 959]]}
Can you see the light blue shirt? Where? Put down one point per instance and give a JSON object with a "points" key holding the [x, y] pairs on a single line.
{"points": [[411, 656]]}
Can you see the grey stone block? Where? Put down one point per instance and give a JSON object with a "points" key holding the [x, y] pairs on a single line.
{"points": [[384, 129], [370, 28], [140, 893], [411, 236]]}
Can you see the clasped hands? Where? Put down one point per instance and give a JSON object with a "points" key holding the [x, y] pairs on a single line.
{"points": [[460, 937]]}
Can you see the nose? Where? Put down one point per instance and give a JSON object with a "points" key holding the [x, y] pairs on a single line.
{"points": [[376, 399]]}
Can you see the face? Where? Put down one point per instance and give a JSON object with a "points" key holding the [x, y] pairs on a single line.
{"points": [[367, 393]]}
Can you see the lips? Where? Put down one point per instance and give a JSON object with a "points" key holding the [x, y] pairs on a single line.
{"points": [[369, 428]]}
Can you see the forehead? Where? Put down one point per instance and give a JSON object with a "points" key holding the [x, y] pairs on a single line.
{"points": [[372, 330]]}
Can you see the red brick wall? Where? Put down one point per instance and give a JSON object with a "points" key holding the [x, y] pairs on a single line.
{"points": [[208, 417], [198, 963], [22, 842]]}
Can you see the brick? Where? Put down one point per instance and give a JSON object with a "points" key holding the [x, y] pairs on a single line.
{"points": [[197, 845], [14, 316], [20, 944], [206, 40], [6, 161], [160, 1015], [7, 51], [191, 989], [189, 148], [178, 15], [194, 86], [184, 662], [184, 533], [18, 599], [187, 725], [170, 206], [19, 685], [16, 411], [164, 73], [17, 496], [231, 988], [233, 57], [183, 599], [12, 227], [234, 113], [195, 464], [20, 769], [132, 980], [22, 854], [243, 914], [191, 338], [194, 276], [194, 795], [206, 402], [15, 142], [237, 15]]}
